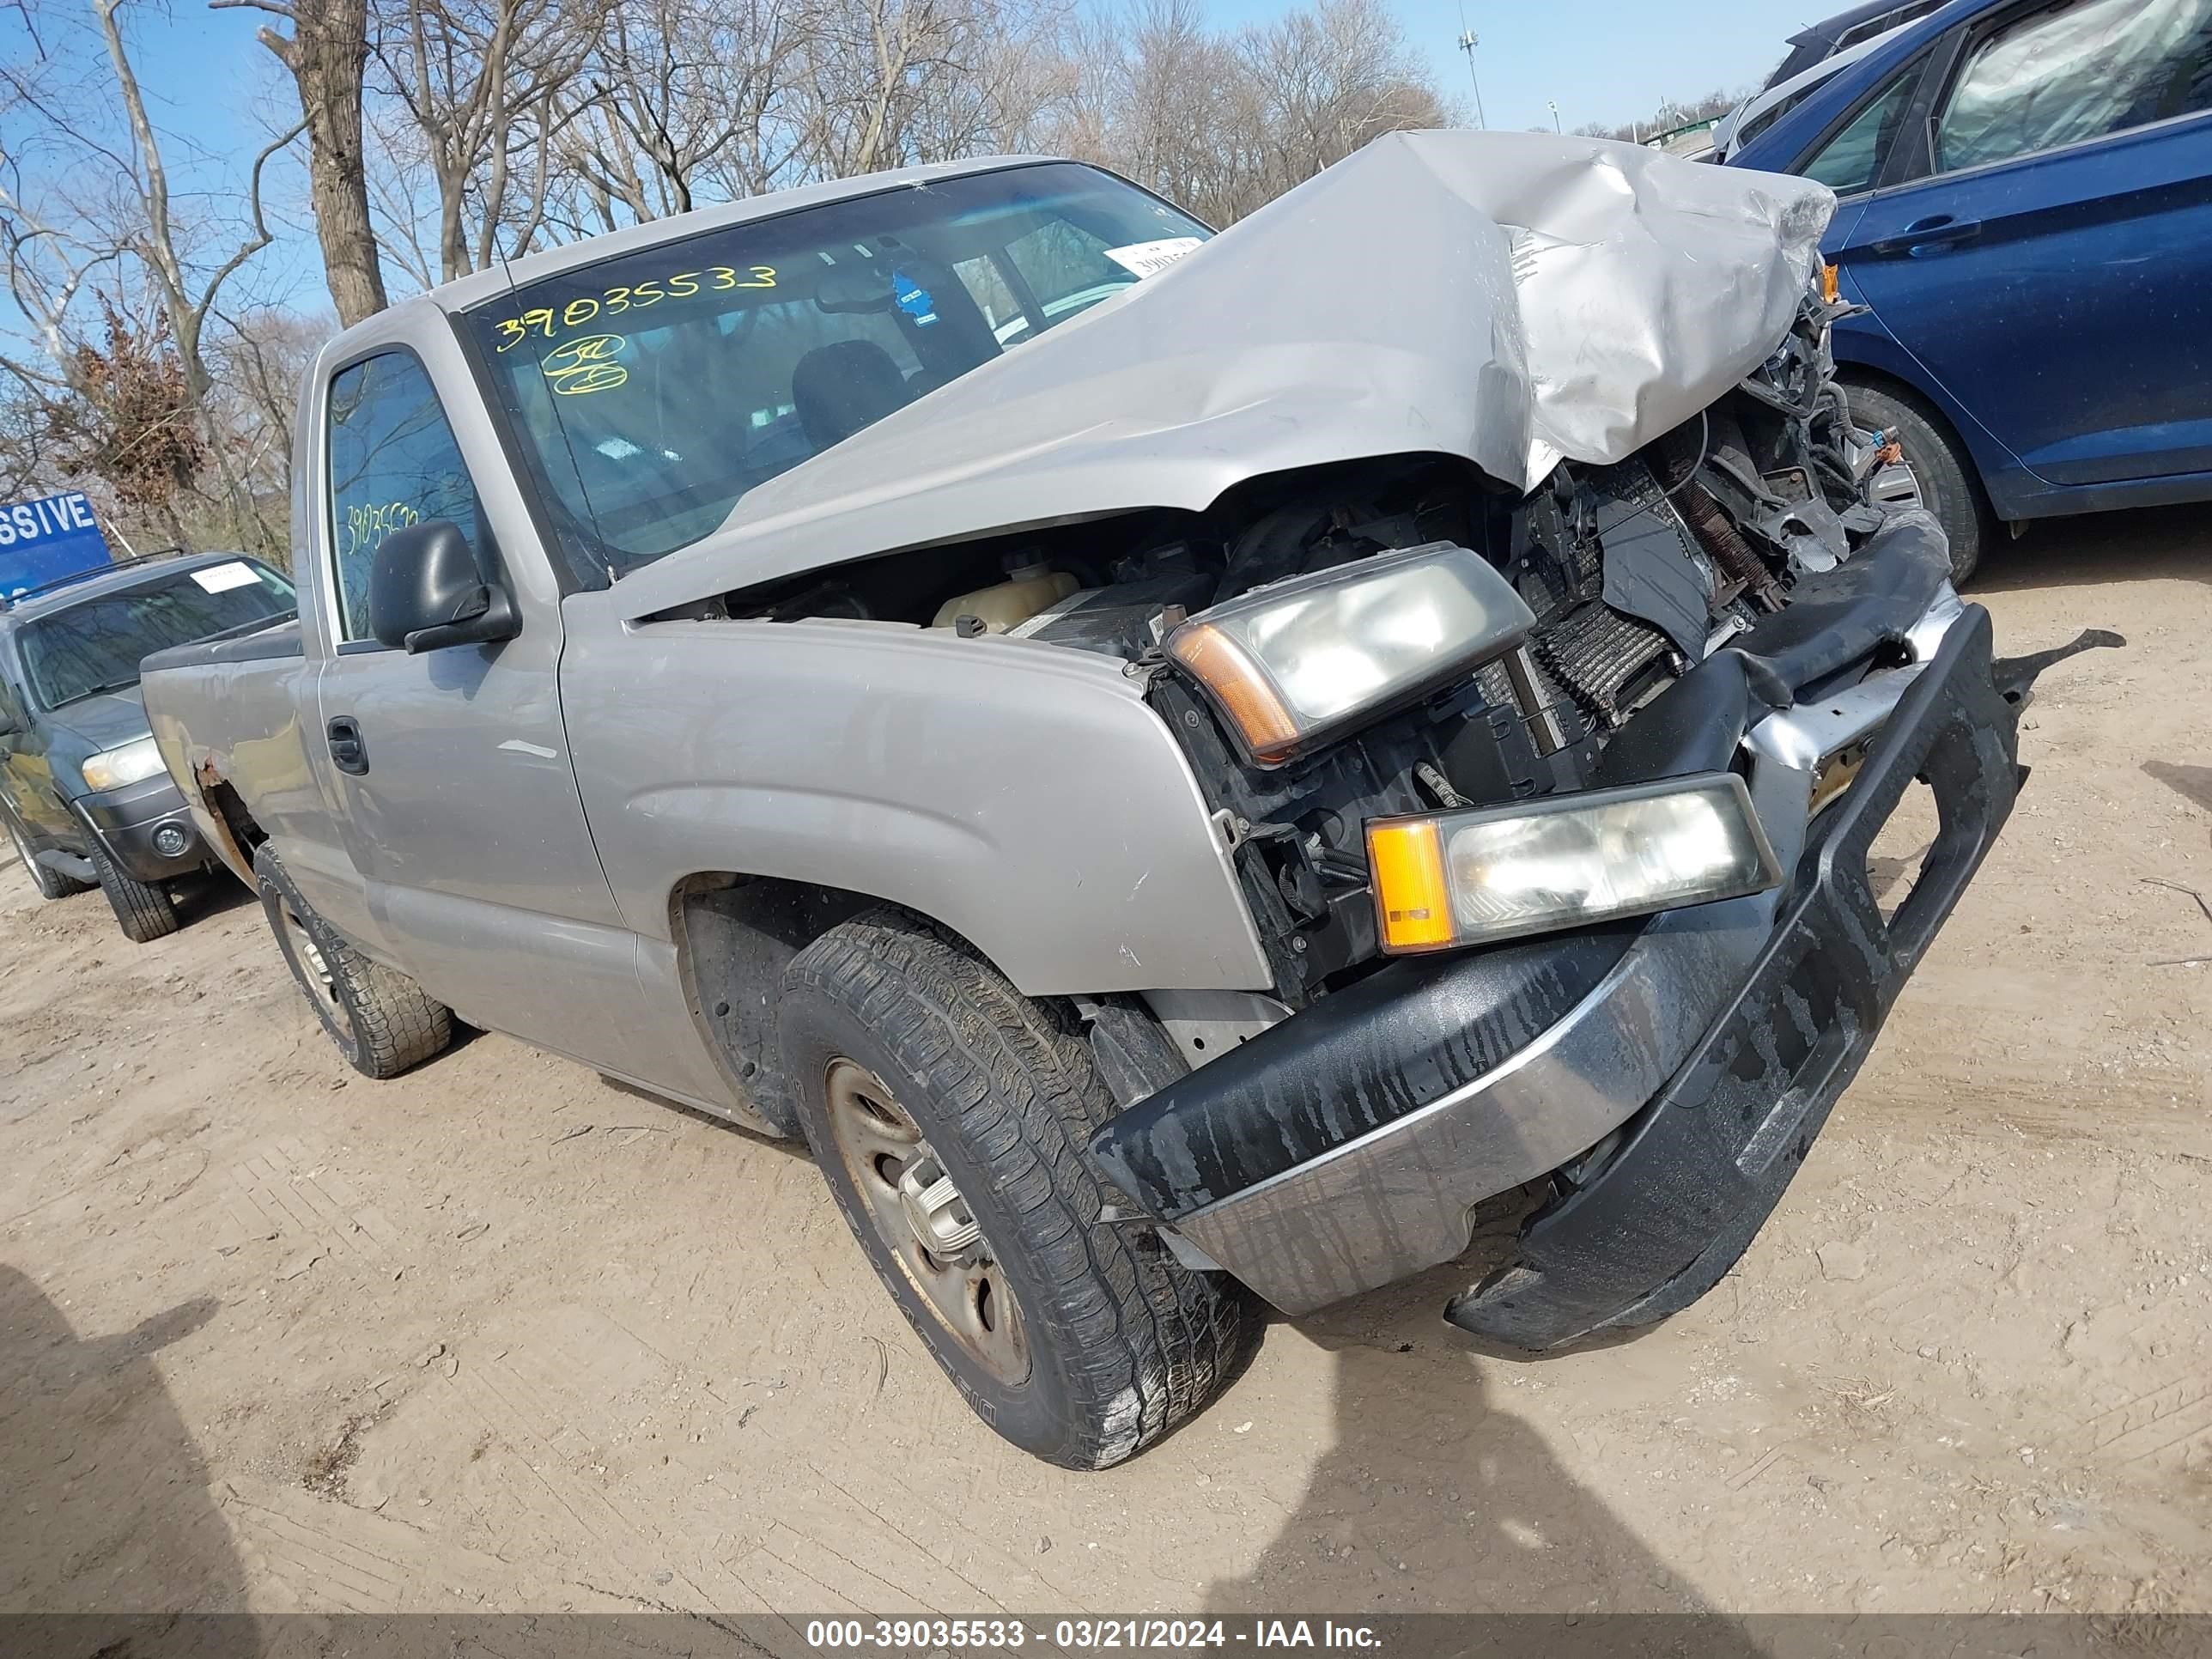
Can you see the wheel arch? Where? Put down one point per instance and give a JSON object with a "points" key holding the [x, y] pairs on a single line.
{"points": [[733, 934], [1892, 372]]}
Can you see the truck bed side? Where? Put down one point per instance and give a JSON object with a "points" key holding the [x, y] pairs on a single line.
{"points": [[227, 717]]}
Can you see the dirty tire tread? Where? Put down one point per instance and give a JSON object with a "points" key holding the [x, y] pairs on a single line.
{"points": [[390, 1023], [1945, 469], [1016, 1079], [143, 911], [51, 883]]}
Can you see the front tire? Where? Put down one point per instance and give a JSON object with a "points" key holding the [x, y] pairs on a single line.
{"points": [[949, 1113], [143, 910], [51, 883], [1949, 483], [382, 1021]]}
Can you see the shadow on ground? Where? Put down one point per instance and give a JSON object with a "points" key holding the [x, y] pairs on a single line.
{"points": [[208, 897], [2154, 543], [1436, 1498], [2192, 783], [104, 1505]]}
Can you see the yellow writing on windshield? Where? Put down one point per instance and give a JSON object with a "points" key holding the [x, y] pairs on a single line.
{"points": [[575, 367], [552, 322]]}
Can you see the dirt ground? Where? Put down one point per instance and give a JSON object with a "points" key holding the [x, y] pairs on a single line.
{"points": [[500, 1335]]}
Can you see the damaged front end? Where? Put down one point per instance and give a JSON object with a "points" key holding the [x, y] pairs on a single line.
{"points": [[1543, 643], [1749, 621]]}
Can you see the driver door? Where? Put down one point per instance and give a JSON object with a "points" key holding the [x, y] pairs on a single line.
{"points": [[456, 804]]}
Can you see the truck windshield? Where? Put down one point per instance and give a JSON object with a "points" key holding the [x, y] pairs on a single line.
{"points": [[651, 391], [96, 644]]}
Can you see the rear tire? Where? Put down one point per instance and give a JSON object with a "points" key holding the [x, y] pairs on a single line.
{"points": [[51, 883], [143, 910], [1950, 484], [382, 1021], [915, 1064]]}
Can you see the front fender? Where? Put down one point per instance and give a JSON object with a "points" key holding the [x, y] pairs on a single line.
{"points": [[1021, 794]]}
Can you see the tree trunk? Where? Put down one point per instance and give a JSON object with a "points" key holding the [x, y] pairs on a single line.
{"points": [[327, 54]]}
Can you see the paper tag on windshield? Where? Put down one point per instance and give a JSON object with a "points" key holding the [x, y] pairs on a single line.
{"points": [[1150, 258], [219, 577]]}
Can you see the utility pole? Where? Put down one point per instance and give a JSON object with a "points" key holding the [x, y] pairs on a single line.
{"points": [[1554, 105], [1469, 40]]}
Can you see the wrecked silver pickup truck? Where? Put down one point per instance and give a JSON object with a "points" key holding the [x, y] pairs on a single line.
{"points": [[1181, 764]]}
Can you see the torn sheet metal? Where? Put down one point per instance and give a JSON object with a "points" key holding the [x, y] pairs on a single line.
{"points": [[1647, 285], [1507, 298], [1650, 570]]}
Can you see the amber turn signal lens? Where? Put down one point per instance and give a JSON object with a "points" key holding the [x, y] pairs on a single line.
{"points": [[1239, 688], [1831, 286], [1413, 902]]}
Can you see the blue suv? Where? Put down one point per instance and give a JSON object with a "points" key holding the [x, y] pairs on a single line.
{"points": [[2026, 207]]}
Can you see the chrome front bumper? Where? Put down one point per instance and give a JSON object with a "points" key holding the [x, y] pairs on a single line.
{"points": [[1399, 1199]]}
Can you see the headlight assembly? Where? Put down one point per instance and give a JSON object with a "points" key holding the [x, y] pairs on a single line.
{"points": [[1291, 664], [133, 763], [1458, 878]]}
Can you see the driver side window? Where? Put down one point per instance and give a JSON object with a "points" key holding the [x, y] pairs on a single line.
{"points": [[394, 462]]}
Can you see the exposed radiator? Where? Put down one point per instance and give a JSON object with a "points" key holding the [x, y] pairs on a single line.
{"points": [[1598, 654]]}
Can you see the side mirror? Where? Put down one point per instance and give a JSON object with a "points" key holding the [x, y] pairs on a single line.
{"points": [[425, 591]]}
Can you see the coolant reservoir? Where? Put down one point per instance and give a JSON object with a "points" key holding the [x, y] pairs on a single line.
{"points": [[1028, 589]]}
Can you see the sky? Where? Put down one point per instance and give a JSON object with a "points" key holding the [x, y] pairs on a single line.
{"points": [[1601, 61], [1609, 61]]}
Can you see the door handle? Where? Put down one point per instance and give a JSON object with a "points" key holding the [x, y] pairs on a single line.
{"points": [[1932, 234], [348, 752]]}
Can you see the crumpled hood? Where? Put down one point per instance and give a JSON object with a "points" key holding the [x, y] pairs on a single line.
{"points": [[1507, 298]]}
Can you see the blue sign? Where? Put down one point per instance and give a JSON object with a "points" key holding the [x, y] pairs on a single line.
{"points": [[45, 540]]}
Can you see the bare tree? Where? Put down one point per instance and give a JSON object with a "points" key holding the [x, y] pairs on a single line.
{"points": [[186, 296], [682, 96], [1185, 107], [482, 81], [88, 199], [1224, 123], [326, 54], [27, 463], [51, 251], [403, 195], [1328, 80], [895, 82]]}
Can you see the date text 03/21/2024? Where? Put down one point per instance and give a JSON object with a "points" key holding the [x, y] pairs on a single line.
{"points": [[978, 1635]]}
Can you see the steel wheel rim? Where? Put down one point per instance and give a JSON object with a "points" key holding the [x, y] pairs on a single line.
{"points": [[924, 1222], [320, 986]]}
